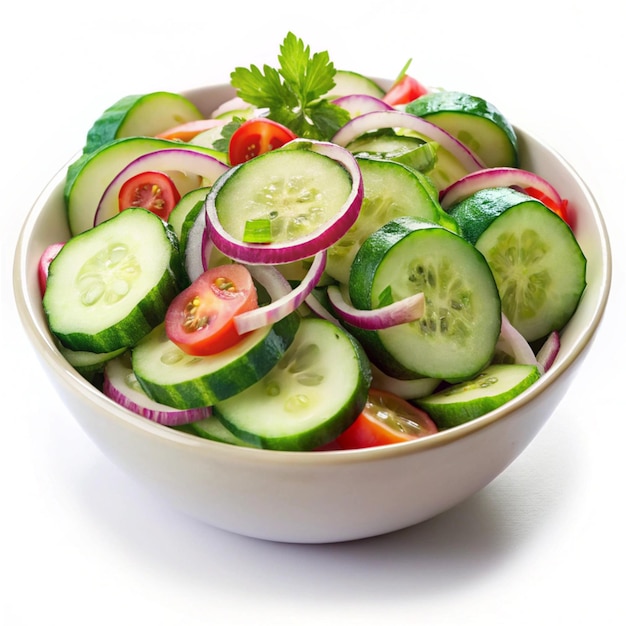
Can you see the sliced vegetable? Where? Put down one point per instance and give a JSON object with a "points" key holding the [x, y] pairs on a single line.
{"points": [[399, 119], [109, 286], [302, 403], [188, 130], [121, 385], [172, 159], [142, 115], [257, 136], [201, 319], [402, 311], [487, 391], [473, 121], [529, 182], [386, 419], [404, 90], [150, 190], [44, 263], [357, 104], [311, 191], [284, 305]]}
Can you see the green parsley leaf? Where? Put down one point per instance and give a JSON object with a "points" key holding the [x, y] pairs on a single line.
{"points": [[228, 129], [293, 93]]}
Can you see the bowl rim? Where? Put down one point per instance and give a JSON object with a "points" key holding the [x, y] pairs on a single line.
{"points": [[46, 349]]}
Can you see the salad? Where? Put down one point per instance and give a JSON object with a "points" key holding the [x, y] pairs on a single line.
{"points": [[322, 263]]}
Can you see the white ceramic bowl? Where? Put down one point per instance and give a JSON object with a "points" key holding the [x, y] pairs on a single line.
{"points": [[316, 497]]}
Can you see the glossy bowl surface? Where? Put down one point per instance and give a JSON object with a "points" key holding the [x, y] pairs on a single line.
{"points": [[318, 497]]}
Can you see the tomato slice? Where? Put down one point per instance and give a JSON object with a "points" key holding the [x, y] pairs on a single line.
{"points": [[256, 136], [200, 319], [404, 91], [559, 209], [154, 191], [386, 419]]}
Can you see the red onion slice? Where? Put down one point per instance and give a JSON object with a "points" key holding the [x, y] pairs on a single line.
{"points": [[402, 311], [120, 384], [513, 343], [401, 119], [496, 177], [304, 247], [287, 302], [407, 389], [549, 350], [358, 104], [164, 160]]}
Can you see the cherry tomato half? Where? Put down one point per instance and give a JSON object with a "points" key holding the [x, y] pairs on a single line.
{"points": [[154, 191], [404, 91], [256, 136], [200, 319], [386, 419], [559, 209]]}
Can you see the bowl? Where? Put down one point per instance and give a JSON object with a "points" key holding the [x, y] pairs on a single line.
{"points": [[330, 496]]}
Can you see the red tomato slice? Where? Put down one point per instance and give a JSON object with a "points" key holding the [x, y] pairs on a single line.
{"points": [[200, 319], [154, 191], [386, 419], [559, 209], [404, 91], [256, 136], [44, 263]]}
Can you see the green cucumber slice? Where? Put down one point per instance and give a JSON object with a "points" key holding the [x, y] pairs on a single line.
{"points": [[143, 115], [88, 176], [170, 376], [303, 403], [390, 190], [110, 286], [88, 364], [211, 428], [457, 335], [348, 82], [184, 207], [298, 191], [473, 121], [538, 265], [487, 391]]}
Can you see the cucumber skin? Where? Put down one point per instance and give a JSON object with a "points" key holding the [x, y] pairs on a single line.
{"points": [[452, 414], [474, 214], [361, 295], [431, 104], [228, 381], [110, 125], [322, 434]]}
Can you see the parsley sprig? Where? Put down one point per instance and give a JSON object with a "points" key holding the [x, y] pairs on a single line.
{"points": [[293, 94]]}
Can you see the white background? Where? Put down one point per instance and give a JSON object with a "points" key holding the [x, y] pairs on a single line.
{"points": [[81, 543]]}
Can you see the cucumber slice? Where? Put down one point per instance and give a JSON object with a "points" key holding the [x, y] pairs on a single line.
{"points": [[88, 176], [407, 147], [170, 376], [88, 364], [457, 335], [348, 83], [143, 115], [473, 121], [538, 265], [110, 286], [466, 401], [390, 190], [184, 207], [211, 428], [302, 403], [298, 191]]}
